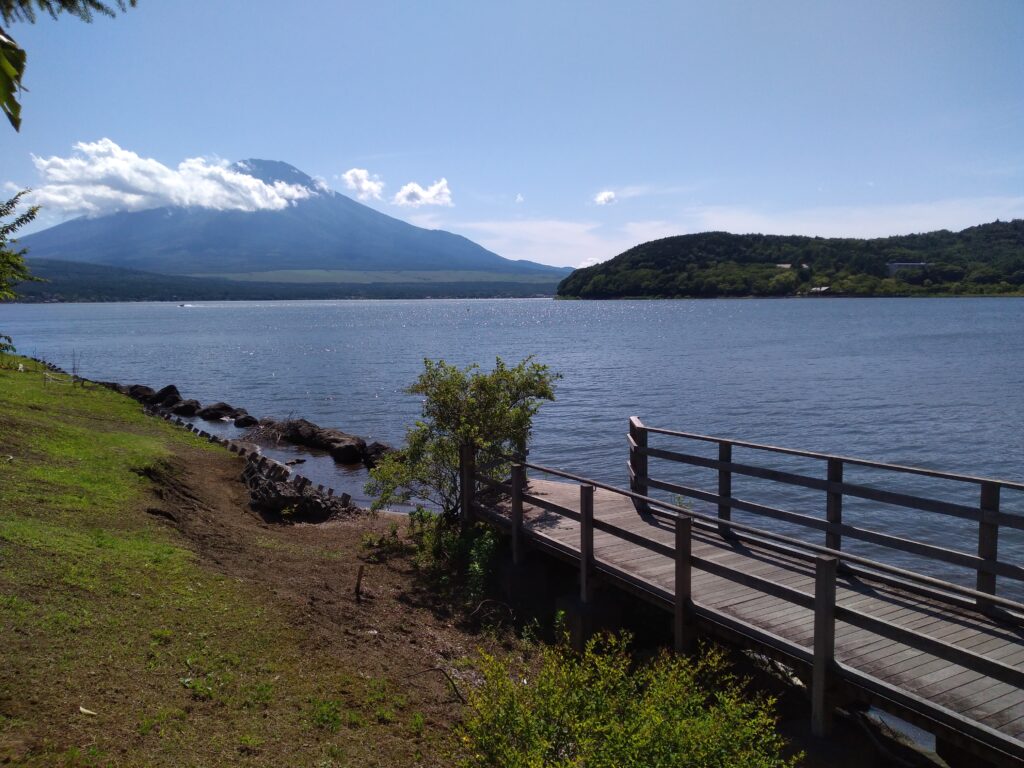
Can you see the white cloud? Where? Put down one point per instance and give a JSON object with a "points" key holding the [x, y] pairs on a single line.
{"points": [[413, 195], [365, 186], [604, 197], [101, 177], [519, 197]]}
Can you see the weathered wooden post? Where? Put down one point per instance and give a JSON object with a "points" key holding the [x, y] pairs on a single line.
{"points": [[834, 506], [988, 540], [682, 623], [638, 460], [467, 482], [724, 488], [518, 482], [824, 643], [586, 542]]}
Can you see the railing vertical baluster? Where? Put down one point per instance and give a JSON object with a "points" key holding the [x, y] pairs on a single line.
{"points": [[988, 539], [724, 487], [518, 481], [467, 480], [834, 506], [824, 643], [638, 460], [682, 621], [586, 540]]}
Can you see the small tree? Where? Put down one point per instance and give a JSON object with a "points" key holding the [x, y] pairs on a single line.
{"points": [[491, 411], [12, 262]]}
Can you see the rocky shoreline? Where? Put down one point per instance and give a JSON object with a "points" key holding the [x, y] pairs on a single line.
{"points": [[343, 447], [276, 492]]}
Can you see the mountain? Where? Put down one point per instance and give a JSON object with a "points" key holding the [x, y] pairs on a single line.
{"points": [[986, 259], [77, 281], [324, 238]]}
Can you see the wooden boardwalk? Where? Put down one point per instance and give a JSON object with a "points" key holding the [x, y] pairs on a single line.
{"points": [[893, 647]]}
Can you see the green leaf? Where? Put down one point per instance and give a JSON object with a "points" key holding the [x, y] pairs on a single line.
{"points": [[12, 68]]}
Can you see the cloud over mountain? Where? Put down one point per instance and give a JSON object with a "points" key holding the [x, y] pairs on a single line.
{"points": [[367, 186], [413, 195], [101, 177]]}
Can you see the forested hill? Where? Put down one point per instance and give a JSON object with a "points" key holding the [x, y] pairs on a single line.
{"points": [[985, 259]]}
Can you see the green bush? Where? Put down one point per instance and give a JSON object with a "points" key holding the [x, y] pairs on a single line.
{"points": [[492, 411], [597, 710], [452, 555]]}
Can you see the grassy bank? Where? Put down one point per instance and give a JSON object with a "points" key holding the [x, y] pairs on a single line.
{"points": [[121, 646]]}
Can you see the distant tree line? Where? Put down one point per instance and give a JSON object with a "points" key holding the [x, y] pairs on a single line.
{"points": [[986, 259]]}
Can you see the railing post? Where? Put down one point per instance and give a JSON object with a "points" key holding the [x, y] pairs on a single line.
{"points": [[725, 488], [467, 481], [638, 460], [824, 643], [518, 481], [988, 539], [586, 540], [834, 506], [682, 625]]}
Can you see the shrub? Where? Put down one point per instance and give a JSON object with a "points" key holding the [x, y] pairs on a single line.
{"points": [[595, 709], [492, 411], [454, 555]]}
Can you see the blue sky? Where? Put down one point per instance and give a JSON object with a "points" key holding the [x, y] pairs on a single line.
{"points": [[564, 132]]}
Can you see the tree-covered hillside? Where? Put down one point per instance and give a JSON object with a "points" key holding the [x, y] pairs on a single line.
{"points": [[986, 259]]}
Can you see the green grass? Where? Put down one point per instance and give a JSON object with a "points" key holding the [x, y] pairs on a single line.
{"points": [[105, 608]]}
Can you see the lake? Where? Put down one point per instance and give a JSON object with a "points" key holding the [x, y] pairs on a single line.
{"points": [[936, 383]]}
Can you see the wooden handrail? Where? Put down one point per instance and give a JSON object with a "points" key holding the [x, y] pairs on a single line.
{"points": [[797, 547], [845, 459], [984, 562]]}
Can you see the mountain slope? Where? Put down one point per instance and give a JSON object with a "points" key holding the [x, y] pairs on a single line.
{"points": [[77, 281], [326, 231], [988, 258]]}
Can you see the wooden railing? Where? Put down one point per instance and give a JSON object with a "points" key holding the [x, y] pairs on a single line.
{"points": [[827, 559], [985, 562]]}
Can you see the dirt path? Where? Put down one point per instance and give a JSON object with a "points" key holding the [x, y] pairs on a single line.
{"points": [[393, 631]]}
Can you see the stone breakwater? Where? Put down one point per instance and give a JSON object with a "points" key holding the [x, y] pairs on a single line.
{"points": [[275, 491], [343, 447]]}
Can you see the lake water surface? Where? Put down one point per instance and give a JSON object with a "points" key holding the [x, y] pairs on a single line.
{"points": [[936, 383]]}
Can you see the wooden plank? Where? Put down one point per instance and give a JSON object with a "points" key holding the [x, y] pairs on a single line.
{"points": [[834, 504], [988, 537]]}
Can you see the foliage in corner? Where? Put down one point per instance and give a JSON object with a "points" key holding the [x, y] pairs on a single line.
{"points": [[493, 411], [12, 55], [12, 262], [596, 709]]}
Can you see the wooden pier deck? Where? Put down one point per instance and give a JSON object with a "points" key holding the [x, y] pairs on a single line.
{"points": [[952, 665]]}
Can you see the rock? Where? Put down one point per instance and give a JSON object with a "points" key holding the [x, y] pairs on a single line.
{"points": [[348, 450], [375, 452], [141, 392], [343, 447], [246, 420], [186, 408], [166, 397], [114, 386], [220, 411], [283, 501]]}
